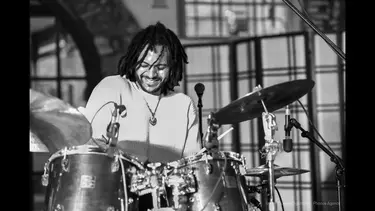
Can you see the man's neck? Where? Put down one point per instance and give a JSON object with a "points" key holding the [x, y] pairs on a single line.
{"points": [[157, 93]]}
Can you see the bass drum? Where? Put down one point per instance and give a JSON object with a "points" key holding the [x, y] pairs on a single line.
{"points": [[85, 178]]}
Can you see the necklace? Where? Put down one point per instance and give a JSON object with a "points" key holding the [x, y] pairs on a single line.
{"points": [[153, 119]]}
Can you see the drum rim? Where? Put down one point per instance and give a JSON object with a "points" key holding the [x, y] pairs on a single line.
{"points": [[192, 159], [84, 150]]}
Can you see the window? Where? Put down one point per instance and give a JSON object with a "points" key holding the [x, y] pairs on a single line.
{"points": [[213, 18], [60, 74]]}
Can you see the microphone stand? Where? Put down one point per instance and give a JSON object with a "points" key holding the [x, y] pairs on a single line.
{"points": [[200, 118], [113, 130], [336, 49], [340, 170]]}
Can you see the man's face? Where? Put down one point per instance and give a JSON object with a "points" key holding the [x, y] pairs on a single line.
{"points": [[152, 73]]}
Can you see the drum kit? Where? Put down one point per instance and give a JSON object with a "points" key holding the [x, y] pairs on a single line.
{"points": [[81, 176]]}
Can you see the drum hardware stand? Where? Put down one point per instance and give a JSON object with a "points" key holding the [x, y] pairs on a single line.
{"points": [[243, 192], [211, 142], [269, 150], [126, 202], [157, 189], [255, 189], [340, 169], [204, 149], [188, 181]]}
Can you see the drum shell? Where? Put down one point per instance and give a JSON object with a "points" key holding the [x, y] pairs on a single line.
{"points": [[87, 183], [228, 194]]}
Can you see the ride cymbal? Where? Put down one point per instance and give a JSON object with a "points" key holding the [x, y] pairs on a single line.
{"points": [[56, 124], [262, 171], [274, 97]]}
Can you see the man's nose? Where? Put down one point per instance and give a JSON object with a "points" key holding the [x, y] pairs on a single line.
{"points": [[152, 72]]}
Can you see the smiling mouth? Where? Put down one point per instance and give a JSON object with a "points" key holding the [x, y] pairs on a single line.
{"points": [[151, 82]]}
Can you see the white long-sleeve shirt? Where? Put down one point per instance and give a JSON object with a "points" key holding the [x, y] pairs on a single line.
{"points": [[176, 129]]}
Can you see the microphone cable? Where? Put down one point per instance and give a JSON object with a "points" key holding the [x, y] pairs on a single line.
{"points": [[281, 201], [95, 140]]}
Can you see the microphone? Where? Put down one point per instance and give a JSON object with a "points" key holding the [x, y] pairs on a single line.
{"points": [[287, 142], [113, 126], [121, 110], [199, 89]]}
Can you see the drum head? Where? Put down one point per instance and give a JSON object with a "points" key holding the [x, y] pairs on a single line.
{"points": [[221, 155]]}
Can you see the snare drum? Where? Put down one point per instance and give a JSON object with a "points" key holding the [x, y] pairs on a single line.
{"points": [[85, 178], [208, 181]]}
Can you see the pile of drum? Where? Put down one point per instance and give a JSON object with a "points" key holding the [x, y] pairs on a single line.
{"points": [[81, 177]]}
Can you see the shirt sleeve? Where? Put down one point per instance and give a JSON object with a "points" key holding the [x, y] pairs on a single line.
{"points": [[192, 145], [99, 107]]}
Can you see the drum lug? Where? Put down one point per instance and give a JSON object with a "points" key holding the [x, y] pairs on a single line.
{"points": [[236, 168], [217, 207], [191, 199], [65, 164], [45, 176], [208, 168], [115, 166], [110, 208], [243, 160], [59, 207]]}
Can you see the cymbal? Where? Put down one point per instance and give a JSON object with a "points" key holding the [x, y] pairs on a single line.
{"points": [[55, 124], [274, 97], [278, 171], [36, 145]]}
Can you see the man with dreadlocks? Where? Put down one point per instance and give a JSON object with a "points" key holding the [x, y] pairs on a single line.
{"points": [[158, 125]]}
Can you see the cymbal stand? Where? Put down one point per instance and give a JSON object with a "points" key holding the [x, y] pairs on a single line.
{"points": [[269, 150]]}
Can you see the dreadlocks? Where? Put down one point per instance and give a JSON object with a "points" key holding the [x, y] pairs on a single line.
{"points": [[151, 36]]}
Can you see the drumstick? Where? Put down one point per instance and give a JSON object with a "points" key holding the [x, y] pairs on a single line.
{"points": [[225, 133]]}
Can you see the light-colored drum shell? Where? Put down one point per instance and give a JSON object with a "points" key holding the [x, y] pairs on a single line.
{"points": [[221, 155], [90, 149]]}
